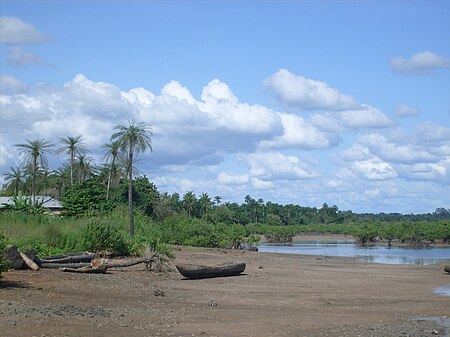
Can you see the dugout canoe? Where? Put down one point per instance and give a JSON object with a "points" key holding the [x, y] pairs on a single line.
{"points": [[195, 271]]}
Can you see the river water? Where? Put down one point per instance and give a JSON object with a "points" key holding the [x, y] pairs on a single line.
{"points": [[372, 253]]}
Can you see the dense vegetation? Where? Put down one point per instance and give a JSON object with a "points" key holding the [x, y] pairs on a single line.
{"points": [[3, 263], [91, 221], [96, 198]]}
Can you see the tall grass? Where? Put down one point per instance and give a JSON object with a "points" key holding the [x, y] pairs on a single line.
{"points": [[49, 235]]}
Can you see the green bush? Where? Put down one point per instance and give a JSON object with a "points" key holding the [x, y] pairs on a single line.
{"points": [[365, 233], [104, 234], [24, 205], [231, 234], [182, 230], [3, 263]]}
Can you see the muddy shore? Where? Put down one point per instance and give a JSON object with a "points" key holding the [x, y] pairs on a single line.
{"points": [[278, 295]]}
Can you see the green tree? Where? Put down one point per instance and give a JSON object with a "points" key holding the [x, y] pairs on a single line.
{"points": [[133, 139], [189, 202], [111, 155], [217, 200], [84, 168], [62, 179], [72, 146], [86, 197], [145, 194], [33, 153], [205, 204], [14, 180]]}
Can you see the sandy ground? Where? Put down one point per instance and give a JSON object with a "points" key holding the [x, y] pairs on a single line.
{"points": [[279, 295]]}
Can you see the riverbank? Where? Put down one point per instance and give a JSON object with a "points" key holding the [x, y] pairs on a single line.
{"points": [[278, 295]]}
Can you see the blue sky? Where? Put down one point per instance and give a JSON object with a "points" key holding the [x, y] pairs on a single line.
{"points": [[303, 102]]}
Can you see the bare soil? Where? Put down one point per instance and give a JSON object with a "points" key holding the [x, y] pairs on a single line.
{"points": [[278, 295]]}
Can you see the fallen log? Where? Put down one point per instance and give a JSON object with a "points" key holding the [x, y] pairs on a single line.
{"points": [[86, 270], [98, 267], [71, 259], [60, 256], [30, 263], [65, 265], [124, 264], [16, 261]]}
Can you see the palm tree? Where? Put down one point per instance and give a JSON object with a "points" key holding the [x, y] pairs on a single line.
{"points": [[14, 180], [189, 201], [84, 168], [217, 200], [133, 139], [62, 177], [33, 153], [205, 203], [72, 146], [112, 152]]}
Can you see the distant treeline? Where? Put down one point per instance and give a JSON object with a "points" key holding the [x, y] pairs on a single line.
{"points": [[93, 221], [90, 196]]}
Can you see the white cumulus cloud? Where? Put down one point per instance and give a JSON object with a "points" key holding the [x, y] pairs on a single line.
{"points": [[232, 179], [220, 104], [430, 132], [10, 85], [277, 165], [308, 94], [374, 169], [298, 134], [365, 117], [421, 63], [13, 30], [199, 132], [395, 152]]}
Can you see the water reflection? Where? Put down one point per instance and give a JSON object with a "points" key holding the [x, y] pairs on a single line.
{"points": [[444, 290], [375, 253]]}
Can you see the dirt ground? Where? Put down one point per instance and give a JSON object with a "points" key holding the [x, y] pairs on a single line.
{"points": [[278, 295]]}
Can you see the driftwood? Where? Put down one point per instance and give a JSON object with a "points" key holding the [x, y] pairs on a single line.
{"points": [[65, 265], [88, 263], [95, 264], [71, 259], [98, 267], [60, 256], [30, 263], [86, 270], [126, 263]]}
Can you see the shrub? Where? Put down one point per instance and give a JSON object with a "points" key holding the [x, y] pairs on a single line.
{"points": [[280, 234], [231, 235], [181, 230], [3, 263], [24, 205], [365, 233], [104, 234]]}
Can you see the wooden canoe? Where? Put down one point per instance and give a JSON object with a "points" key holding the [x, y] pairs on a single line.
{"points": [[194, 271]]}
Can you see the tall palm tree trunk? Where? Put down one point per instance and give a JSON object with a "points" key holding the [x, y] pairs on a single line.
{"points": [[72, 159], [33, 183], [109, 178], [130, 192]]}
